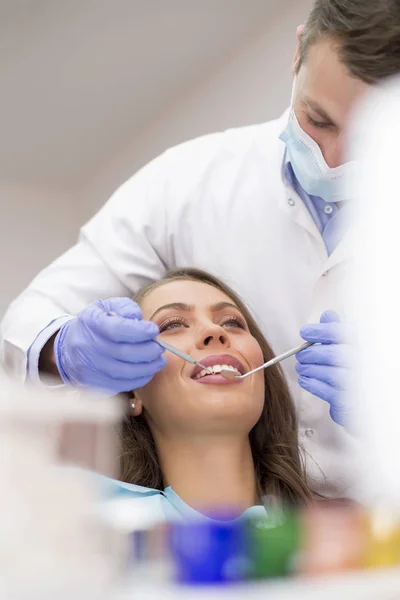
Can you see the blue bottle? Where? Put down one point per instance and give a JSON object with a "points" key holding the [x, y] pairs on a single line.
{"points": [[209, 552]]}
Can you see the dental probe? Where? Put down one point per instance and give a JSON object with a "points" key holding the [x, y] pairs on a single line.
{"points": [[232, 375]]}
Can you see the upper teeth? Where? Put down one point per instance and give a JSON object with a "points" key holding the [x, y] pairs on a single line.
{"points": [[215, 370]]}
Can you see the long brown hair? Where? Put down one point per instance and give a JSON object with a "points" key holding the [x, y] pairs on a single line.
{"points": [[273, 439]]}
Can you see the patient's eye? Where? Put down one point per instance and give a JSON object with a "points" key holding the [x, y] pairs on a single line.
{"points": [[172, 323], [233, 321]]}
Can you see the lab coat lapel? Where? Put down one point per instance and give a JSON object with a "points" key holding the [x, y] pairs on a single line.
{"points": [[294, 208], [341, 253]]}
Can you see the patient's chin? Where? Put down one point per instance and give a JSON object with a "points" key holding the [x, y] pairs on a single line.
{"points": [[235, 409]]}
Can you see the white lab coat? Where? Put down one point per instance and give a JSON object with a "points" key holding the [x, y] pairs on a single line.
{"points": [[218, 203]]}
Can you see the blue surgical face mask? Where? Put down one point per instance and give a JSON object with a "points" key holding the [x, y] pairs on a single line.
{"points": [[308, 163]]}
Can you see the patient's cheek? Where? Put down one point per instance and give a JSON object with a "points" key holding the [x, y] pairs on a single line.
{"points": [[255, 355]]}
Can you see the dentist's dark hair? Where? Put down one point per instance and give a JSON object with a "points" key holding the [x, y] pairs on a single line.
{"points": [[366, 33], [273, 439]]}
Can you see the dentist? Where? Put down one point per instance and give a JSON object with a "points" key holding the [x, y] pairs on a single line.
{"points": [[263, 207]]}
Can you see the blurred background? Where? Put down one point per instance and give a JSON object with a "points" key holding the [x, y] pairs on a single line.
{"points": [[93, 89]]}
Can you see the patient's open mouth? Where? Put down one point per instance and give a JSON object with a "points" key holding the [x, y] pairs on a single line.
{"points": [[215, 364]]}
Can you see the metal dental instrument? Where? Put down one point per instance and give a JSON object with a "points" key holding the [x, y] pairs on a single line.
{"points": [[183, 355], [229, 374], [170, 348]]}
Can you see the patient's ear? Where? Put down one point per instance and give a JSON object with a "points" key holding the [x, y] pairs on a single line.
{"points": [[135, 406]]}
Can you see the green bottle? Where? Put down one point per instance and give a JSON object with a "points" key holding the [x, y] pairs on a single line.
{"points": [[274, 545]]}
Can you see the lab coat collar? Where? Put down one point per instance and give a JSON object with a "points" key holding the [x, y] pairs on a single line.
{"points": [[293, 206]]}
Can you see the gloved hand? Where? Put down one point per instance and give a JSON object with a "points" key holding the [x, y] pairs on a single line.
{"points": [[109, 353], [323, 368]]}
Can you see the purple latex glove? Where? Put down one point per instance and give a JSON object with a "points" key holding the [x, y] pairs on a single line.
{"points": [[109, 353], [323, 368]]}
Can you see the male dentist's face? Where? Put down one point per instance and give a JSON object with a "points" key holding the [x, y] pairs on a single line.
{"points": [[324, 96]]}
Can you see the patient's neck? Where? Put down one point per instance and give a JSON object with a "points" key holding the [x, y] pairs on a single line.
{"points": [[209, 472]]}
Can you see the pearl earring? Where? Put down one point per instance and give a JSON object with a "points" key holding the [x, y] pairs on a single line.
{"points": [[133, 405]]}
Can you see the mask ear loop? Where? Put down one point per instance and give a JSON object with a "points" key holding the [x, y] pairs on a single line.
{"points": [[293, 91]]}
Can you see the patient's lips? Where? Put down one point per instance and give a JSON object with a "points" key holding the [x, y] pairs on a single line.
{"points": [[216, 363]]}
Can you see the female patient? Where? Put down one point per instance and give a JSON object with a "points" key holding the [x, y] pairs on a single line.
{"points": [[196, 441]]}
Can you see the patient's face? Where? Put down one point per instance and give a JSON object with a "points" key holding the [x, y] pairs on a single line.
{"points": [[203, 322]]}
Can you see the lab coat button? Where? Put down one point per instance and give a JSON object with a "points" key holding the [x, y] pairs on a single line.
{"points": [[309, 432], [291, 202], [328, 209]]}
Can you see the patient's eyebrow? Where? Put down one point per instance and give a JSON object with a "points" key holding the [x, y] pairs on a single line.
{"points": [[222, 305], [190, 307], [174, 306]]}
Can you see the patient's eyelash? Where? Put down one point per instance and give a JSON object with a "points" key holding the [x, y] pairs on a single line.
{"points": [[234, 321], [177, 322], [172, 323]]}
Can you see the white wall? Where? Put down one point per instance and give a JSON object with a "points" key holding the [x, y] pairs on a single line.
{"points": [[254, 86], [36, 225]]}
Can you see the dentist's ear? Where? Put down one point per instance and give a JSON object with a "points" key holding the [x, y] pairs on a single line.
{"points": [[299, 33]]}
